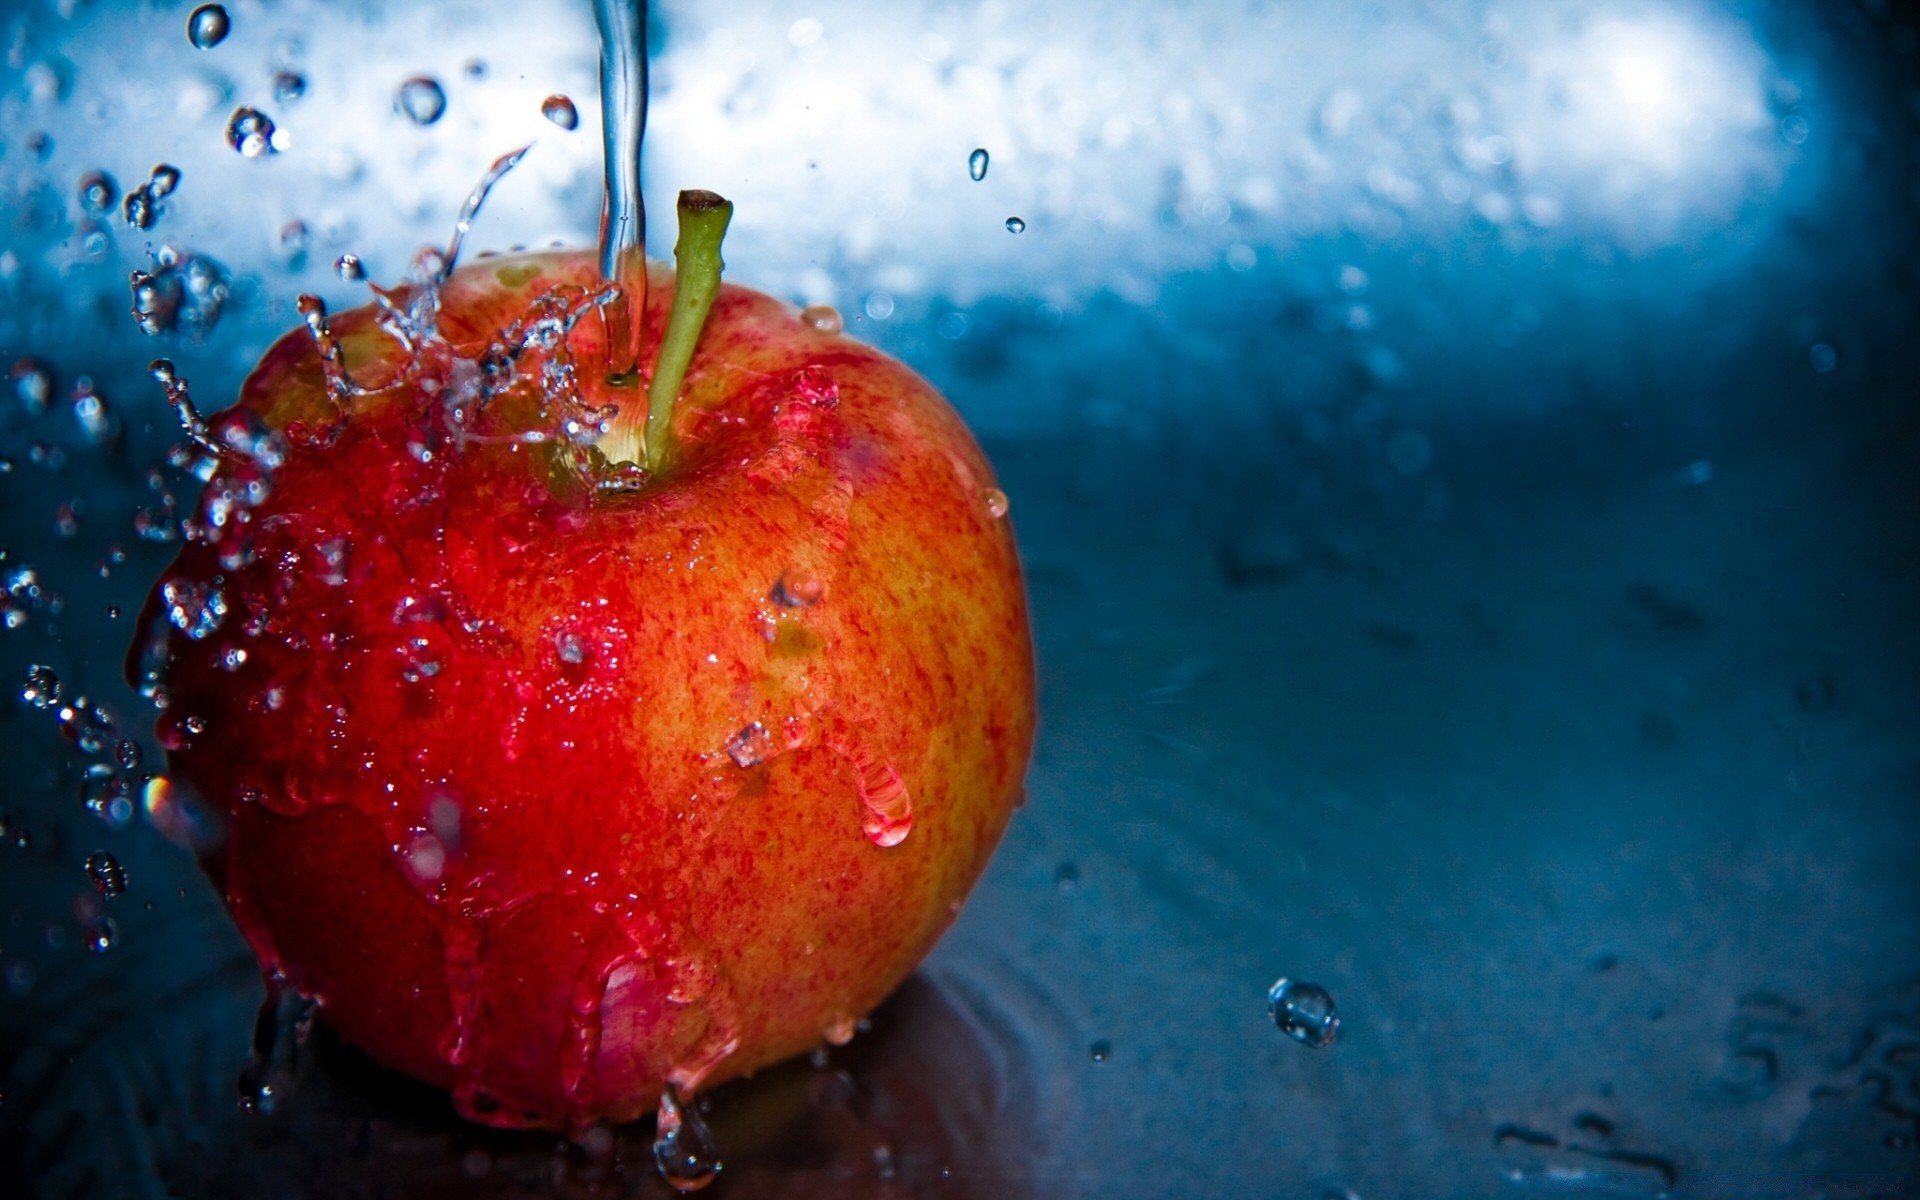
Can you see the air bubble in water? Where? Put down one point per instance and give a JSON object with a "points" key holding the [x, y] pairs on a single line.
{"points": [[1304, 1012], [98, 191], [560, 110], [1016, 225], [683, 1146], [109, 877], [977, 165], [250, 131], [208, 26], [42, 687], [421, 100], [103, 936]]}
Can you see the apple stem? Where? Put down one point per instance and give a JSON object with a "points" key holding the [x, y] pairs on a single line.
{"points": [[696, 282]]}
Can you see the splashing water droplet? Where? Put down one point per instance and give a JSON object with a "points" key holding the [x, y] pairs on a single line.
{"points": [[208, 26], [1304, 1012], [289, 86], [350, 268], [683, 1147], [186, 293], [1016, 225], [421, 100], [109, 877], [163, 179], [250, 131], [822, 318], [977, 165], [750, 746], [997, 503], [561, 111]]}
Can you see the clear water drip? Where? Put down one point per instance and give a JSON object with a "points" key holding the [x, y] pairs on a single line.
{"points": [[683, 1147], [977, 165], [350, 268], [421, 100], [623, 222], [208, 26], [1016, 225], [1304, 1012], [561, 111]]}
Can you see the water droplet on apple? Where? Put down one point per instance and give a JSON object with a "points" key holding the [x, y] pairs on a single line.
{"points": [[822, 318], [997, 503], [98, 191], [977, 165], [570, 648], [1304, 1012], [421, 100], [349, 268], [750, 746], [108, 876], [561, 111], [1016, 225], [42, 687], [683, 1147], [840, 1029], [426, 859], [282, 1028], [249, 131], [797, 589], [208, 26]]}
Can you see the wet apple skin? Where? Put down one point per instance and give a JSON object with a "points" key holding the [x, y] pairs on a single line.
{"points": [[476, 757]]}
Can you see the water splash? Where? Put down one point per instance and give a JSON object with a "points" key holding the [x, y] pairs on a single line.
{"points": [[471, 209], [977, 165], [250, 132], [421, 100], [561, 111], [623, 219]]}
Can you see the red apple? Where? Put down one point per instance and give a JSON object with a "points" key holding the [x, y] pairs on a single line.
{"points": [[552, 794]]}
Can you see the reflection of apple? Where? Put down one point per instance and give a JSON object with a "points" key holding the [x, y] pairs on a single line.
{"points": [[548, 794]]}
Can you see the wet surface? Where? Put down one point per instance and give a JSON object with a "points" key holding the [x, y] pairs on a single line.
{"points": [[1502, 619]]}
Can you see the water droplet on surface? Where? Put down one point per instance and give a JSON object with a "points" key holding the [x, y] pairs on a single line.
{"points": [[839, 1030], [560, 110], [823, 318], [1016, 225], [1304, 1012], [109, 877], [751, 746], [98, 191], [997, 503], [208, 26], [421, 100], [42, 687], [683, 1147], [350, 268], [797, 590], [250, 131], [977, 165]]}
